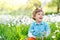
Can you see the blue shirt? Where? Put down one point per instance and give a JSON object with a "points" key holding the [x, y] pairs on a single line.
{"points": [[39, 30]]}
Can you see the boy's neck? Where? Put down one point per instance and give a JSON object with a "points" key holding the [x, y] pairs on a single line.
{"points": [[38, 22]]}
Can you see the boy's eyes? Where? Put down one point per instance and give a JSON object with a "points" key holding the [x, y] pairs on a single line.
{"points": [[38, 14], [41, 14]]}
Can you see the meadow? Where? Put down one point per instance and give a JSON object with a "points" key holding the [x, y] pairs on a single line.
{"points": [[12, 31]]}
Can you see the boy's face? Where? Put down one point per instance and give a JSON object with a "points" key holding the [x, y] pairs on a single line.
{"points": [[39, 16]]}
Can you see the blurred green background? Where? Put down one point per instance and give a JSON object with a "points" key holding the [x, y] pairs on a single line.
{"points": [[14, 7]]}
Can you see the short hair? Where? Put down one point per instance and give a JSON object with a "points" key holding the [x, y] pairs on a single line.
{"points": [[36, 11]]}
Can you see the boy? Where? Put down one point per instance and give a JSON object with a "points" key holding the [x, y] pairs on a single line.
{"points": [[38, 28]]}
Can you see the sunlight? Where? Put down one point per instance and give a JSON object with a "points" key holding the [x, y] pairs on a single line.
{"points": [[20, 2], [13, 3]]}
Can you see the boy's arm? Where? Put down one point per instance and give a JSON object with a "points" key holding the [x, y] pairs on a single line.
{"points": [[47, 30], [31, 29]]}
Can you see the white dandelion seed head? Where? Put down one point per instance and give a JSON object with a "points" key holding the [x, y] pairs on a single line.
{"points": [[53, 36]]}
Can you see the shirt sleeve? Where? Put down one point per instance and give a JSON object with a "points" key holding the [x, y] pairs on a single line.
{"points": [[31, 29], [47, 29]]}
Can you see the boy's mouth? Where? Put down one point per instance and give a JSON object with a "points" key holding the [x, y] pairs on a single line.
{"points": [[40, 18]]}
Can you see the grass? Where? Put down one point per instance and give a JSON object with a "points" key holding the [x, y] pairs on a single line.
{"points": [[20, 32]]}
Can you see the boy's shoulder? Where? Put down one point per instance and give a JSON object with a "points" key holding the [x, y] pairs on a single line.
{"points": [[46, 23], [43, 22], [33, 22]]}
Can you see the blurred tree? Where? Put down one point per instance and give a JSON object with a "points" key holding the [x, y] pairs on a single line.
{"points": [[58, 6], [25, 9], [55, 3], [28, 9]]}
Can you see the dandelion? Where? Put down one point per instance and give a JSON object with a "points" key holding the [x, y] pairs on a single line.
{"points": [[53, 37], [56, 24], [0, 37], [56, 31], [22, 19]]}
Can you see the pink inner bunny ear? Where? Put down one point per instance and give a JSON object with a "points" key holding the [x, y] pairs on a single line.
{"points": [[36, 5]]}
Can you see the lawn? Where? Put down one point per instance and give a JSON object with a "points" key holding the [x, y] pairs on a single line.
{"points": [[14, 32]]}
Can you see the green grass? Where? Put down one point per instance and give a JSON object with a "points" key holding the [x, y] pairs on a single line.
{"points": [[14, 32], [20, 32]]}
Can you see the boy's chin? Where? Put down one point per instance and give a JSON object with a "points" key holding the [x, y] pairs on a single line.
{"points": [[40, 20]]}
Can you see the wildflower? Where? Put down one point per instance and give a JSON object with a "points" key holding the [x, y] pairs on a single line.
{"points": [[0, 37], [53, 36]]}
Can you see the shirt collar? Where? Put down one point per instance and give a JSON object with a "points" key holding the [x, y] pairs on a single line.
{"points": [[39, 23]]}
